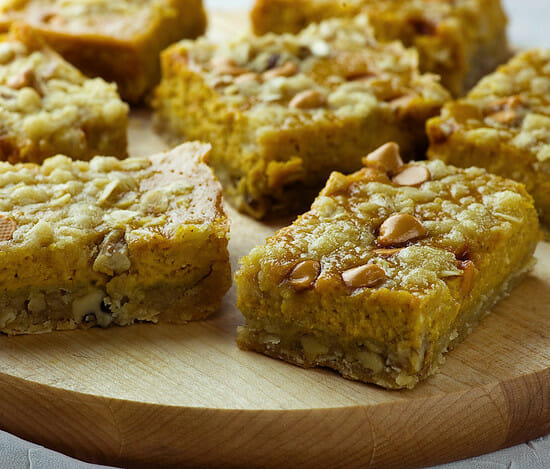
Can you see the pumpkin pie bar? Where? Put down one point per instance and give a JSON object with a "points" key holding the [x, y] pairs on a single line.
{"points": [[48, 107], [111, 241], [503, 125], [283, 111], [392, 266], [461, 40], [118, 40]]}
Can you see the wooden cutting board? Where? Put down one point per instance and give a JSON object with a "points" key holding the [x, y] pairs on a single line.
{"points": [[186, 396]]}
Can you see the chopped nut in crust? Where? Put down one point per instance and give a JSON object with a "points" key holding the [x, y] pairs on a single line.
{"points": [[508, 102], [23, 79], [505, 110], [7, 228], [386, 158], [506, 117], [412, 175], [467, 277], [308, 99], [400, 228], [248, 77], [286, 70], [367, 275], [221, 61], [226, 66], [304, 274]]}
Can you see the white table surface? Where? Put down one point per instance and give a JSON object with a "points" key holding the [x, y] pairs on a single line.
{"points": [[529, 27]]}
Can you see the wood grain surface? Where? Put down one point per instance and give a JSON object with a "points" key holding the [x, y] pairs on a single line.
{"points": [[186, 396]]}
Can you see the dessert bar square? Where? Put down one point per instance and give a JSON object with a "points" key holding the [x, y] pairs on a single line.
{"points": [[118, 40], [392, 266], [111, 241], [48, 107], [503, 125], [461, 40], [282, 112]]}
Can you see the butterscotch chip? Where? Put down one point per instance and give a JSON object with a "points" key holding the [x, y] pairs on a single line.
{"points": [[468, 277], [367, 275], [304, 274], [288, 69], [308, 99], [345, 184], [412, 175], [385, 158], [399, 229], [7, 228]]}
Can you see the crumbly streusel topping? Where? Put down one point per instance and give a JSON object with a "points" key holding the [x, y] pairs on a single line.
{"points": [[45, 99], [335, 66], [461, 211], [510, 106], [64, 200]]}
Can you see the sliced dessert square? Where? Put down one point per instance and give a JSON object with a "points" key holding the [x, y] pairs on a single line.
{"points": [[282, 112], [392, 266], [503, 125], [461, 40], [111, 241], [48, 107], [118, 40]]}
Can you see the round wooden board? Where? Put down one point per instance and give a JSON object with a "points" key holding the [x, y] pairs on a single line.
{"points": [[186, 395]]}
